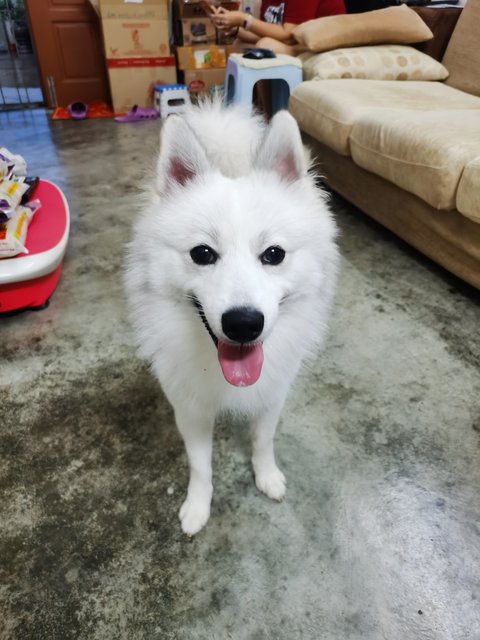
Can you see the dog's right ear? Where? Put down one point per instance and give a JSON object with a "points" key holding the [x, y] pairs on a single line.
{"points": [[181, 158], [282, 150]]}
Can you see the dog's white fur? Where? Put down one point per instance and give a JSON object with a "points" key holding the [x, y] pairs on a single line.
{"points": [[238, 186]]}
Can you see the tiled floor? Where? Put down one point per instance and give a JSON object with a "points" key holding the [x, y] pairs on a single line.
{"points": [[19, 80], [379, 536]]}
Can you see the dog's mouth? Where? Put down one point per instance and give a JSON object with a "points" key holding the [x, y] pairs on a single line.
{"points": [[241, 363]]}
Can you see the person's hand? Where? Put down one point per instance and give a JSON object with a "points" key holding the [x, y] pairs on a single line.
{"points": [[224, 19]]}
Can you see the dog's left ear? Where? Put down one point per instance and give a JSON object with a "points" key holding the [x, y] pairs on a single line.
{"points": [[281, 149], [181, 158]]}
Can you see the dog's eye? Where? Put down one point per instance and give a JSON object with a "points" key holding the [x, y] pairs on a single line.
{"points": [[203, 255], [272, 256]]}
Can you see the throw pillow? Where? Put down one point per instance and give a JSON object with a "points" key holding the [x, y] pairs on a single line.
{"points": [[393, 25], [380, 62]]}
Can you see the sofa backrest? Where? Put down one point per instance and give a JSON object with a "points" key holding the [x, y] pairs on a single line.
{"points": [[462, 57]]}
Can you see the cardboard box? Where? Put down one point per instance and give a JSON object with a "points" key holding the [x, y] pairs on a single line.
{"points": [[132, 82], [137, 49], [192, 24], [198, 30], [203, 57], [132, 29], [199, 81], [195, 8]]}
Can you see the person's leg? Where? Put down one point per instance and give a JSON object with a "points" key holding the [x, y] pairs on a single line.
{"points": [[276, 45], [244, 40]]}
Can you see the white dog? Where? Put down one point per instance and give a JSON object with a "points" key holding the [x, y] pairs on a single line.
{"points": [[230, 276]]}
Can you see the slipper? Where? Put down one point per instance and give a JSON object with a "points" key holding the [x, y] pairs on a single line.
{"points": [[77, 110], [137, 113]]}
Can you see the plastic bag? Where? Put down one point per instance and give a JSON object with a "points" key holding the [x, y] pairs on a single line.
{"points": [[13, 233], [17, 163], [11, 193], [6, 166]]}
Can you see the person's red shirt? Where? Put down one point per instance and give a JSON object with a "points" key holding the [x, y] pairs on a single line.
{"points": [[298, 11], [330, 8]]}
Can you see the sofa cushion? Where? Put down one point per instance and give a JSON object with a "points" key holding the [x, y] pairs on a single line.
{"points": [[391, 25], [423, 152], [462, 57], [468, 194], [328, 109], [378, 62]]}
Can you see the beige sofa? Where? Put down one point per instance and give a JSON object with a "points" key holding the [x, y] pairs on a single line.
{"points": [[408, 153]]}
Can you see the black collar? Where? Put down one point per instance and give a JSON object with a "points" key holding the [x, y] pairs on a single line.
{"points": [[201, 313]]}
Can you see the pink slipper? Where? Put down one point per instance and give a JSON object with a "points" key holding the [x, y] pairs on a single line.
{"points": [[77, 110], [137, 113]]}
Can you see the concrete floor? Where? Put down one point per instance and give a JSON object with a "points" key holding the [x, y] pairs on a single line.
{"points": [[379, 537]]}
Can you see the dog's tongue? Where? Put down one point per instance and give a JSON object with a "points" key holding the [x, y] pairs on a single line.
{"points": [[241, 365]]}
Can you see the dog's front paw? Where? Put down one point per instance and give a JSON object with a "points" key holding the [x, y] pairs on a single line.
{"points": [[272, 483], [194, 515]]}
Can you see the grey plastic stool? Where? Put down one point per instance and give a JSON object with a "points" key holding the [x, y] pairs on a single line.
{"points": [[243, 73]]}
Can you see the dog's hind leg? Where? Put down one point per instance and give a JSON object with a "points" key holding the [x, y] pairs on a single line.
{"points": [[197, 433], [268, 477]]}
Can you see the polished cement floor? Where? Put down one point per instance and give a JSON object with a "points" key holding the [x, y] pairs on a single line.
{"points": [[379, 536]]}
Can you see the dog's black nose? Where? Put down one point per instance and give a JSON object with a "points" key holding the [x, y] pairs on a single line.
{"points": [[243, 324]]}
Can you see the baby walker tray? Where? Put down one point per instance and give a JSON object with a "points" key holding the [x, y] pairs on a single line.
{"points": [[29, 279]]}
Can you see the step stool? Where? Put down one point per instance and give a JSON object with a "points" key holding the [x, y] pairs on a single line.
{"points": [[243, 73], [171, 98]]}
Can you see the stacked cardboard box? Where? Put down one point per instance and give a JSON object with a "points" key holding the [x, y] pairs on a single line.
{"points": [[203, 66], [201, 82], [192, 23], [203, 57], [137, 49], [202, 51]]}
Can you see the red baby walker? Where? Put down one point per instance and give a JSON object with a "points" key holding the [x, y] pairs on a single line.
{"points": [[28, 280]]}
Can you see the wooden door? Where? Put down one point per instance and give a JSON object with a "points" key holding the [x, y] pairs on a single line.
{"points": [[67, 38]]}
